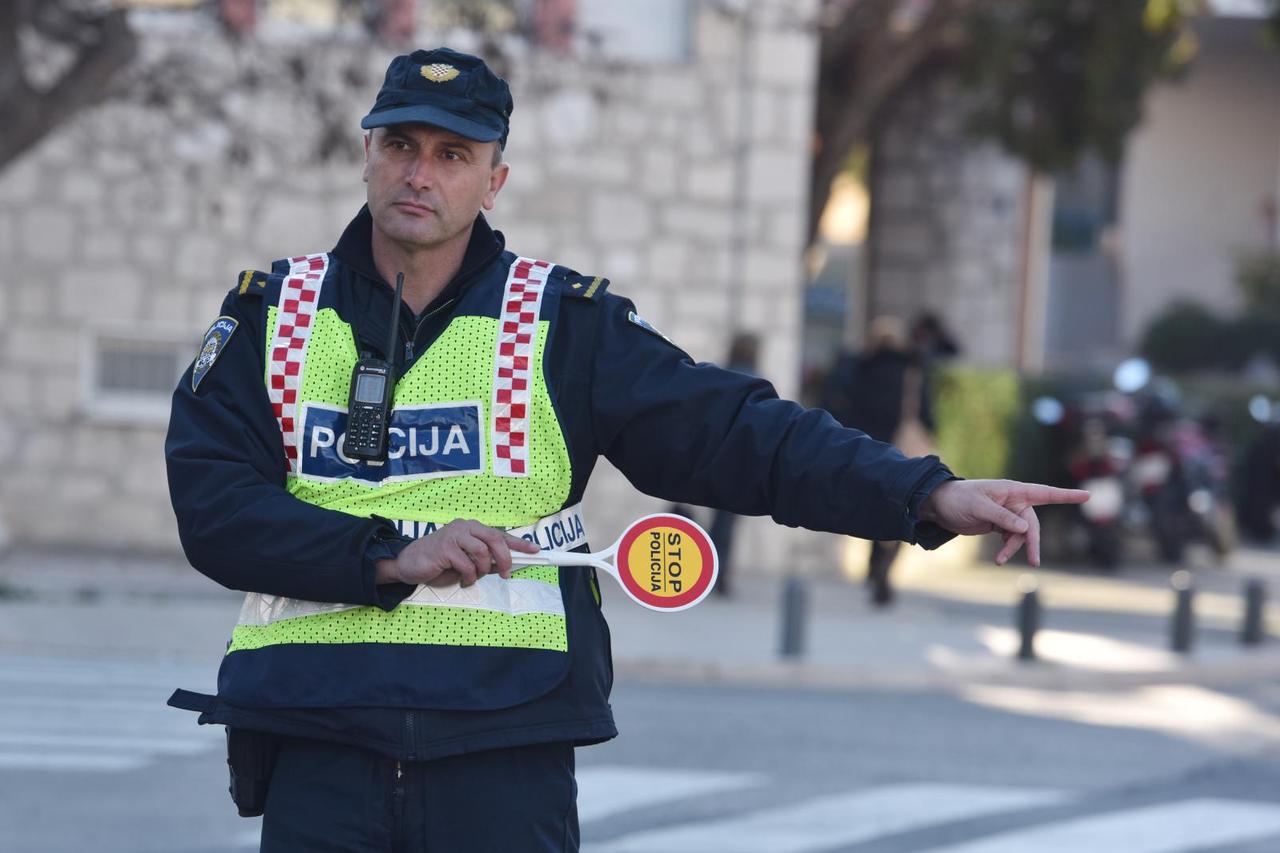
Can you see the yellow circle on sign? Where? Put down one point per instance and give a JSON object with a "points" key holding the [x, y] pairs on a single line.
{"points": [[664, 562]]}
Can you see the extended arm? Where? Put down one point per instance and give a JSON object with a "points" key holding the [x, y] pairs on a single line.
{"points": [[700, 434]]}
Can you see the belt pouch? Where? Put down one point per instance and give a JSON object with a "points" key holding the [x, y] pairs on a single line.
{"points": [[251, 757]]}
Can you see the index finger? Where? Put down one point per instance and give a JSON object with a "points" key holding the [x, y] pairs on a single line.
{"points": [[1038, 494], [494, 537], [520, 544]]}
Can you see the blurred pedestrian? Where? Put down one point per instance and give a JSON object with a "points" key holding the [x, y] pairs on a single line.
{"points": [[1259, 489], [744, 353], [931, 340], [883, 392]]}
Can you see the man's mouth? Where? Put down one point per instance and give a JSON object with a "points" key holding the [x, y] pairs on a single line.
{"points": [[414, 208]]}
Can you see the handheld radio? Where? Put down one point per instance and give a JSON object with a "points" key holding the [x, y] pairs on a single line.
{"points": [[369, 400]]}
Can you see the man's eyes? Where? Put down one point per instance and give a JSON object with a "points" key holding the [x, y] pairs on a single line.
{"points": [[403, 145]]}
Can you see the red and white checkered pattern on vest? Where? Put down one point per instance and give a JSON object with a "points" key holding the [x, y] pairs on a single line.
{"points": [[513, 368], [294, 318]]}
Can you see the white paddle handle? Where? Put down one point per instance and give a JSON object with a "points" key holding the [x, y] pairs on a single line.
{"points": [[559, 558]]}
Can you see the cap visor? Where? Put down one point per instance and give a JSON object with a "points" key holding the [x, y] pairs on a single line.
{"points": [[421, 114]]}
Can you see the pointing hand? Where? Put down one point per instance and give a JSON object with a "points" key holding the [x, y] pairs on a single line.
{"points": [[971, 507]]}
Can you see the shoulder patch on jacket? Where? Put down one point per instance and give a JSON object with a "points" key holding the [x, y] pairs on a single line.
{"points": [[215, 344], [251, 282], [647, 326], [585, 286]]}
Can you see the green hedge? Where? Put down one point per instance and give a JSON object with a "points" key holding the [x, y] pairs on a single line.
{"points": [[975, 411], [1188, 337]]}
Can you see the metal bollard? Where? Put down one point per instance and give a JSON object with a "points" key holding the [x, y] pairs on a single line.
{"points": [[794, 613], [1183, 627], [1028, 617], [1255, 598]]}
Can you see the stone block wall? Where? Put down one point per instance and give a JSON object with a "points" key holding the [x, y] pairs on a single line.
{"points": [[683, 183], [948, 219]]}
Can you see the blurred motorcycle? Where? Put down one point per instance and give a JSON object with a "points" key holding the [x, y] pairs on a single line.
{"points": [[1099, 467], [1153, 474], [1180, 476], [1097, 459], [1205, 473], [1156, 481]]}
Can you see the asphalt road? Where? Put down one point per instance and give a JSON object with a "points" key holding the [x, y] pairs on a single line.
{"points": [[90, 759]]}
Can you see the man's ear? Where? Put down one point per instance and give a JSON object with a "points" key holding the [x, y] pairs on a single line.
{"points": [[497, 178], [368, 137]]}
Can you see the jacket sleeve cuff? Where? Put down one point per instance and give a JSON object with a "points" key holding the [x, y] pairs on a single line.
{"points": [[927, 534], [385, 544]]}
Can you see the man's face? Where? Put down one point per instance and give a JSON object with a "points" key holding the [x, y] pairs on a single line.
{"points": [[426, 184]]}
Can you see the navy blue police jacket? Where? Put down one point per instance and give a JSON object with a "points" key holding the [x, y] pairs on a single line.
{"points": [[678, 430]]}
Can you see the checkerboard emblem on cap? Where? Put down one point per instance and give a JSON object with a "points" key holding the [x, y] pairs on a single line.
{"points": [[439, 72]]}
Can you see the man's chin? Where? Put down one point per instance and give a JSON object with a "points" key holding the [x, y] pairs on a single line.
{"points": [[412, 233]]}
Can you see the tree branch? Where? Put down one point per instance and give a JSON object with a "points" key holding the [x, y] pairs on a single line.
{"points": [[31, 114], [863, 63], [11, 79]]}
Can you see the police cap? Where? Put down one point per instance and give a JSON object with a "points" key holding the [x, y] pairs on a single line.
{"points": [[445, 88]]}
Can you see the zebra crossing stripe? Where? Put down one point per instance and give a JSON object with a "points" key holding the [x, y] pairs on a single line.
{"points": [[835, 821], [93, 716], [46, 704], [606, 791], [141, 745], [249, 838], [120, 679], [22, 760], [1167, 828]]}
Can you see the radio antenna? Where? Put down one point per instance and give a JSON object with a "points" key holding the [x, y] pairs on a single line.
{"points": [[395, 319]]}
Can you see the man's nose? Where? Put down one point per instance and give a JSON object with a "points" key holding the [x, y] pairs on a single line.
{"points": [[421, 174]]}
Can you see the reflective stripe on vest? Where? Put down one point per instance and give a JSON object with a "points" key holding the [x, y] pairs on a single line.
{"points": [[513, 366], [515, 596], [295, 313]]}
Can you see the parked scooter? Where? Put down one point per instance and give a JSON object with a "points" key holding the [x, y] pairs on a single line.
{"points": [[1205, 475], [1099, 469], [1096, 459], [1153, 474], [1180, 476], [1158, 489]]}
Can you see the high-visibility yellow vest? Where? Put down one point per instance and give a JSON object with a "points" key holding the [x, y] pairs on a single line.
{"points": [[473, 434]]}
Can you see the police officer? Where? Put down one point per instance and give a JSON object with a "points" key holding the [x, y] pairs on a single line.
{"points": [[421, 694]]}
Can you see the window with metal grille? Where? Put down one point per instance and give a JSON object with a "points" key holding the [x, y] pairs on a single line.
{"points": [[132, 367], [133, 379]]}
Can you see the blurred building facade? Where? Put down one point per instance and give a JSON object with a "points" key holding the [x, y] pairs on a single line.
{"points": [[1201, 182], [671, 158], [1066, 271]]}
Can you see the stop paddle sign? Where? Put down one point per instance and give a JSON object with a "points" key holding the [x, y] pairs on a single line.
{"points": [[665, 562]]}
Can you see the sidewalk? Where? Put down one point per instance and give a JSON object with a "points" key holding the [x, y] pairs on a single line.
{"points": [[952, 623]]}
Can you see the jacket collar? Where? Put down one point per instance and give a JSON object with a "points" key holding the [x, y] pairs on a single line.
{"points": [[372, 304]]}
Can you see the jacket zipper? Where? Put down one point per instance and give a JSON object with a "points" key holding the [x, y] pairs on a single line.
{"points": [[408, 735], [412, 340], [397, 798]]}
